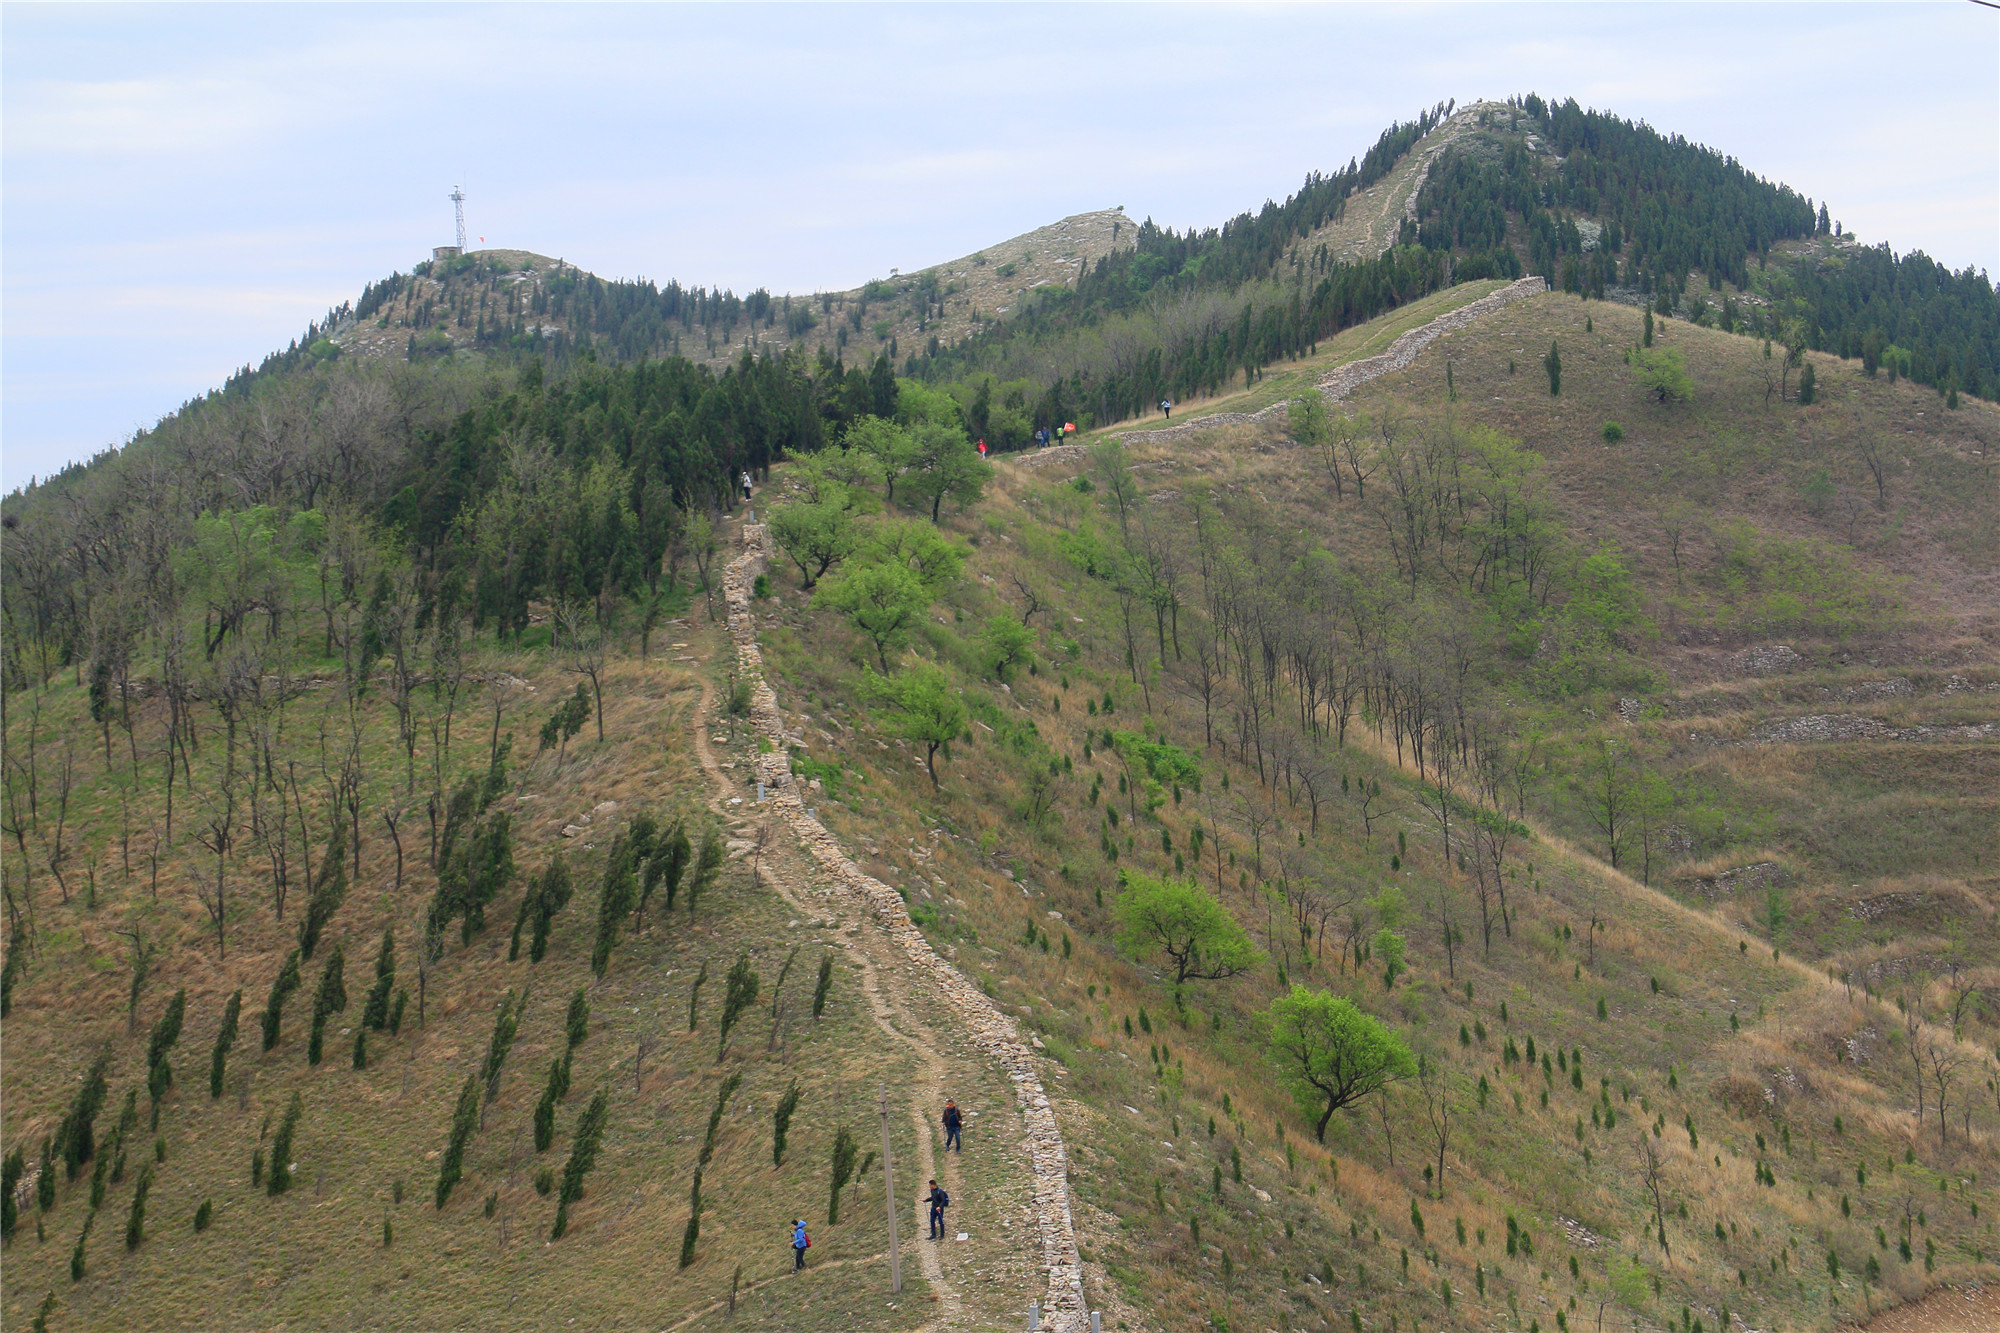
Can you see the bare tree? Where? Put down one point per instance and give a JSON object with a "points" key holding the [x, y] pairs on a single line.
{"points": [[584, 643], [1874, 451], [1437, 1110], [1945, 1061], [1653, 1178], [1031, 599]]}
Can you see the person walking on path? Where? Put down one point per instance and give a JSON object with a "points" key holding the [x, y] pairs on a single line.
{"points": [[746, 485], [953, 1124], [939, 1201], [1167, 406], [801, 1242]]}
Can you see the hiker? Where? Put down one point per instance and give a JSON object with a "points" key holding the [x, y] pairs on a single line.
{"points": [[953, 1123], [1167, 406], [746, 485], [801, 1242], [939, 1201]]}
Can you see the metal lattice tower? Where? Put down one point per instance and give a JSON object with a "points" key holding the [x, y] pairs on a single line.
{"points": [[458, 207]]}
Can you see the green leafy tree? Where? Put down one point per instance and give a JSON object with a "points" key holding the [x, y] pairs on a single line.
{"points": [[883, 600], [945, 466], [935, 558], [816, 537], [1178, 918], [1662, 373], [889, 448], [1006, 642], [1329, 1054], [921, 708]]}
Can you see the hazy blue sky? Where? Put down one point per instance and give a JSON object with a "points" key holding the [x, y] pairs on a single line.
{"points": [[185, 187]]}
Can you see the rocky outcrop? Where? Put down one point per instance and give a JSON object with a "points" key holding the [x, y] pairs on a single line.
{"points": [[994, 1033]]}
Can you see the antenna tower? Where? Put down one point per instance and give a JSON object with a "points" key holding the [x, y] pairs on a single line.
{"points": [[458, 207]]}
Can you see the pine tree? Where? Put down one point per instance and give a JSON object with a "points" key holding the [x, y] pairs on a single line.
{"points": [[376, 1014], [287, 981], [203, 1214], [781, 1122], [224, 1039], [667, 866], [464, 1120], [1649, 326], [1553, 363], [280, 1177], [843, 1170], [577, 1021], [739, 993], [616, 896], [582, 1157], [361, 1047], [824, 984], [547, 896], [330, 999]]}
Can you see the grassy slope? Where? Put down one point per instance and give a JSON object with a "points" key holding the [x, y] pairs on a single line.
{"points": [[1139, 1123], [314, 1258]]}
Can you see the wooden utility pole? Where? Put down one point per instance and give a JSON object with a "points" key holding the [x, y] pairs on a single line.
{"points": [[889, 1188]]}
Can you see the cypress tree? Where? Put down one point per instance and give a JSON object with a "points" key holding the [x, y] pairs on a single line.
{"points": [[693, 1231], [287, 981], [361, 1047], [843, 1169], [166, 1032], [577, 1021], [100, 1181], [1553, 363], [707, 863], [396, 1011], [506, 1022], [203, 1214], [694, 995], [76, 1264], [722, 1096], [1649, 326], [551, 895], [135, 1222], [464, 1120], [128, 1120], [781, 1122], [669, 862], [75, 1136], [616, 896], [280, 1178], [582, 1157], [329, 890], [824, 984], [224, 1039], [740, 992], [330, 999], [376, 1014], [545, 1109], [45, 1180], [11, 1171]]}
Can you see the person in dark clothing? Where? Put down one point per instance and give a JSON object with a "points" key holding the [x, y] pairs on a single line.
{"points": [[953, 1123], [800, 1243], [939, 1201]]}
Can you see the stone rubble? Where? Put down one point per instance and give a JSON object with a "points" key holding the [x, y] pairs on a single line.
{"points": [[995, 1034]]}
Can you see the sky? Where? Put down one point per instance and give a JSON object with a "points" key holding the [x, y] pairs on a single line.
{"points": [[183, 188]]}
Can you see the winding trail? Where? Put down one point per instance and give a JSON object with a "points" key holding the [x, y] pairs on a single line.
{"points": [[897, 963]]}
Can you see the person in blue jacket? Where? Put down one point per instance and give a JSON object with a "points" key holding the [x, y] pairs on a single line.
{"points": [[801, 1242]]}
